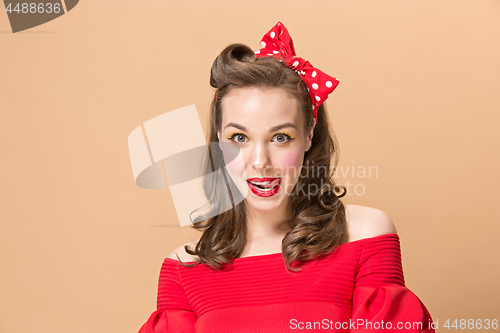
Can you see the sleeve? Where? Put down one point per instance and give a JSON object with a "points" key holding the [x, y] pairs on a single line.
{"points": [[381, 301], [173, 313]]}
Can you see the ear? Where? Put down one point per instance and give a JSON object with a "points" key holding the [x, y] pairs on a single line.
{"points": [[218, 137], [310, 136]]}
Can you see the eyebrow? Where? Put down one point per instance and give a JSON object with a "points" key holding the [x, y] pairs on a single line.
{"points": [[275, 128]]}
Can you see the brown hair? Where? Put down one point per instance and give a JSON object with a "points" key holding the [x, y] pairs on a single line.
{"points": [[318, 224]]}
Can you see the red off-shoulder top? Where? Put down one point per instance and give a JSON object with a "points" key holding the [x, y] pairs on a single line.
{"points": [[359, 287]]}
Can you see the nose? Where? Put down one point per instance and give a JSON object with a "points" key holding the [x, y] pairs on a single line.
{"points": [[260, 159]]}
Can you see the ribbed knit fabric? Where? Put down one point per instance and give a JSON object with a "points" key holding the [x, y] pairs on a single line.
{"points": [[360, 282]]}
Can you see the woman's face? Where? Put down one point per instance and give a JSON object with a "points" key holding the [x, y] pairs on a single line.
{"points": [[267, 128]]}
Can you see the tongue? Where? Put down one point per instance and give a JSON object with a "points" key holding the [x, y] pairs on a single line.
{"points": [[271, 184]]}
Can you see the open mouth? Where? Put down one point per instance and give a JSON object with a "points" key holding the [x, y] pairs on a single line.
{"points": [[264, 187]]}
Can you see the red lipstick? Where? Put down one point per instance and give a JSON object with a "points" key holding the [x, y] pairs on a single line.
{"points": [[264, 187]]}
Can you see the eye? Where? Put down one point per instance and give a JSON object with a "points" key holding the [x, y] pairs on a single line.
{"points": [[240, 138], [283, 137]]}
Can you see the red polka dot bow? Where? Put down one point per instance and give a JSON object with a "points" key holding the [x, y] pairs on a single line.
{"points": [[278, 44]]}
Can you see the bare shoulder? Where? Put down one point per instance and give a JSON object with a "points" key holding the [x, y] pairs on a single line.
{"points": [[366, 222], [183, 255]]}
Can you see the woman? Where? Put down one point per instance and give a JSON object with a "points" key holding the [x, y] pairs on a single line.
{"points": [[291, 255]]}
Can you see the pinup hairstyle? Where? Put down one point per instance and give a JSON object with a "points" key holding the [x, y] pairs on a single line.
{"points": [[319, 221]]}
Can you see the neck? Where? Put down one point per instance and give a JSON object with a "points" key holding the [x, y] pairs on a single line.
{"points": [[265, 227]]}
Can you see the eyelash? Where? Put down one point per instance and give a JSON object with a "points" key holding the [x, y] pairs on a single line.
{"points": [[289, 138]]}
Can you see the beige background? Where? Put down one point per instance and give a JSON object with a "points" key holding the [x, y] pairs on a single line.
{"points": [[81, 244]]}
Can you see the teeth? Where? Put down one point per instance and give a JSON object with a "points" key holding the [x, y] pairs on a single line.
{"points": [[261, 186], [266, 189], [260, 183]]}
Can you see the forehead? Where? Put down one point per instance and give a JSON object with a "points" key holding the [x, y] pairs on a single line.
{"points": [[261, 107]]}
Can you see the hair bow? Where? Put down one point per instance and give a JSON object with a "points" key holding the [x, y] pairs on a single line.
{"points": [[278, 44]]}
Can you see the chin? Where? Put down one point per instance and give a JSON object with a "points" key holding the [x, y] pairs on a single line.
{"points": [[262, 208], [263, 204]]}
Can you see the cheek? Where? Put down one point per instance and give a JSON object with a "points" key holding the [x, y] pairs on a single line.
{"points": [[236, 167], [233, 159], [292, 159]]}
